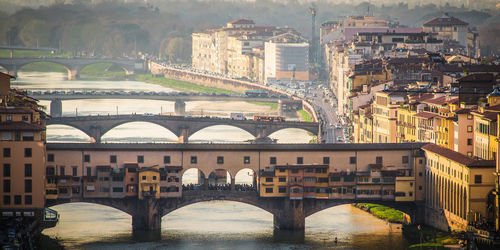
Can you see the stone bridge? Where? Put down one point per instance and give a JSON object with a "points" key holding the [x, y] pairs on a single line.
{"points": [[180, 105], [72, 65], [181, 126], [288, 214]]}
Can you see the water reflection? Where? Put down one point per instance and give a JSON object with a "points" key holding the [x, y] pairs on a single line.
{"points": [[225, 225]]}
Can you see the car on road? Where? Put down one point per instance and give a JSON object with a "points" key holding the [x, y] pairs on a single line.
{"points": [[339, 138], [338, 126]]}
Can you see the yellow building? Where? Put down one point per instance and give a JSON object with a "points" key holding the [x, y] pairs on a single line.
{"points": [[457, 188], [149, 182], [406, 123], [22, 161], [485, 131], [384, 116], [363, 125]]}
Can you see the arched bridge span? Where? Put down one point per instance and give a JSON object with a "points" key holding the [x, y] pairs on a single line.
{"points": [[182, 127], [288, 214], [72, 65]]}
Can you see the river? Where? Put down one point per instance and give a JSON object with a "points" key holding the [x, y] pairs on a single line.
{"points": [[206, 225]]}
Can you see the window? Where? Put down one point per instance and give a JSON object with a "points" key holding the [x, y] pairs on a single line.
{"points": [[410, 193], [269, 179], [6, 186], [24, 118], [272, 160], [140, 159], [478, 179], [6, 136], [144, 177], [469, 117], [281, 189], [246, 160], [62, 170], [326, 160], [9, 118], [295, 171], [86, 158], [28, 136], [404, 159], [27, 186], [74, 171], [269, 190], [420, 161], [6, 152], [419, 187], [469, 141], [28, 152], [117, 190], [154, 177], [6, 199], [300, 160], [49, 171], [282, 179], [28, 200], [27, 170], [335, 178], [6, 170], [89, 171], [220, 159], [194, 160], [17, 199], [352, 160], [166, 159], [420, 174], [378, 159], [112, 159], [469, 128], [375, 180]]}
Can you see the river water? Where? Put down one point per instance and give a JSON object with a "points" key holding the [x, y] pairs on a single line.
{"points": [[206, 225]]}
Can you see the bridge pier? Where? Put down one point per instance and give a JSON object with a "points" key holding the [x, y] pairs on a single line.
{"points": [[95, 132], [290, 216], [146, 217], [56, 108], [73, 74], [180, 107], [183, 137]]}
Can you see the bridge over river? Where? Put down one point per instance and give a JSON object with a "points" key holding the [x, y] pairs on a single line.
{"points": [[56, 98], [72, 65], [181, 126], [146, 181]]}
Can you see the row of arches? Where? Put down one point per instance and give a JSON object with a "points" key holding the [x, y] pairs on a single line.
{"points": [[150, 132], [446, 194], [244, 180], [61, 68]]}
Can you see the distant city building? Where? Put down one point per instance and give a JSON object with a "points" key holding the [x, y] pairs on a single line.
{"points": [[286, 57], [236, 50], [448, 28]]}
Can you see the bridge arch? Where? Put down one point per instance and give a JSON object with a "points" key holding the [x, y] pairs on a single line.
{"points": [[306, 129], [214, 196], [72, 73], [195, 130], [172, 129], [124, 204], [107, 65], [166, 133], [407, 208], [73, 126]]}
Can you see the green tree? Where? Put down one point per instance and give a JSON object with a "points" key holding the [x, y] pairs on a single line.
{"points": [[178, 50], [35, 33]]}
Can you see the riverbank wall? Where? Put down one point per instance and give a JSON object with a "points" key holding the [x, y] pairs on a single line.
{"points": [[158, 69]]}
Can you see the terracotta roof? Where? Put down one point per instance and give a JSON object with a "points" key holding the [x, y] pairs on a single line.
{"points": [[15, 110], [445, 20], [426, 115], [242, 21], [21, 126], [458, 157], [477, 77], [442, 100]]}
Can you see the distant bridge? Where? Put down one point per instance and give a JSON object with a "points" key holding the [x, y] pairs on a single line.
{"points": [[72, 65], [182, 127], [179, 99]]}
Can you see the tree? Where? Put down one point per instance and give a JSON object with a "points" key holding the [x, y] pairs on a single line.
{"points": [[35, 33], [178, 50]]}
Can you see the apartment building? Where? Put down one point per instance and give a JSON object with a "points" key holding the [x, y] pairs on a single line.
{"points": [[22, 161]]}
